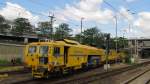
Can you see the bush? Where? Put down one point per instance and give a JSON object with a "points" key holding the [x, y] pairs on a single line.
{"points": [[4, 62], [18, 61]]}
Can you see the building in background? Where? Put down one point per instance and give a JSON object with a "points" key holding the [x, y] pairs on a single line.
{"points": [[140, 47]]}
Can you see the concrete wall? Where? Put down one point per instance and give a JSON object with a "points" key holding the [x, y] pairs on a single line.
{"points": [[10, 51]]}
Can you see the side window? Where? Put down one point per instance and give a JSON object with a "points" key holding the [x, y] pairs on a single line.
{"points": [[44, 49], [56, 51], [32, 49]]}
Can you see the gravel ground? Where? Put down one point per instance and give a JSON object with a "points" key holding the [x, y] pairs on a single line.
{"points": [[121, 78], [15, 78], [110, 80], [82, 74], [10, 68], [142, 79]]}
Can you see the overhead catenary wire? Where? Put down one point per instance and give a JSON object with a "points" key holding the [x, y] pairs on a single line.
{"points": [[116, 10], [129, 21], [127, 5]]}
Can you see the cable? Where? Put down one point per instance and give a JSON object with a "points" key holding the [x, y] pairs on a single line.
{"points": [[116, 10], [127, 6]]}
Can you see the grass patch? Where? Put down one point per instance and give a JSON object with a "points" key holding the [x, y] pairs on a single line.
{"points": [[13, 61], [3, 62], [11, 68]]}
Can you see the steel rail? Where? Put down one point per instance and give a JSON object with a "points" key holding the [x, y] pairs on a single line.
{"points": [[148, 82], [134, 78], [91, 78]]}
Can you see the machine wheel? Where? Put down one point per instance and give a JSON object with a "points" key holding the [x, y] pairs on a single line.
{"points": [[84, 67], [46, 75]]}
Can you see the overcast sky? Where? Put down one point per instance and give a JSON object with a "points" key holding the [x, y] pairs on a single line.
{"points": [[95, 13]]}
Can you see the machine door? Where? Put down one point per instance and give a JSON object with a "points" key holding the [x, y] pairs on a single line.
{"points": [[66, 48], [31, 57], [43, 52]]}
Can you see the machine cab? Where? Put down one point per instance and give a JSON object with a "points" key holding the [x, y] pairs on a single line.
{"points": [[44, 53], [31, 55]]}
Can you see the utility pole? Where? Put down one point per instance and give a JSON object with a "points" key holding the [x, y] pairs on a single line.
{"points": [[123, 39], [135, 47], [51, 25], [81, 29], [116, 25]]}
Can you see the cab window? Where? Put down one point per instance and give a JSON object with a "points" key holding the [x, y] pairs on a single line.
{"points": [[44, 49], [32, 49], [56, 51]]}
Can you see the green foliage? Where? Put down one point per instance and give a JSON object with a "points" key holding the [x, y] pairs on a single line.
{"points": [[62, 32], [21, 26], [4, 62], [78, 37], [121, 42], [2, 19], [44, 28], [18, 60], [4, 27], [92, 36]]}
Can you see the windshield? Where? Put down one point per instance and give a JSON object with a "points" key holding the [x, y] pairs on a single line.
{"points": [[43, 49], [32, 49]]}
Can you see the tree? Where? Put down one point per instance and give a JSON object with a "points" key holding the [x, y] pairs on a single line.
{"points": [[78, 37], [121, 43], [89, 36], [2, 19], [63, 31], [4, 26], [92, 36], [112, 43], [22, 26], [44, 28]]}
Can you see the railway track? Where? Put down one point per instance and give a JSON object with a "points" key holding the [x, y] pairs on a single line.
{"points": [[85, 79], [20, 70], [148, 82], [6, 65], [135, 78], [9, 77], [101, 76], [53, 79], [16, 71]]}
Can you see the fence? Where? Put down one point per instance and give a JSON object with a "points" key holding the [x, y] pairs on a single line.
{"points": [[11, 51]]}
